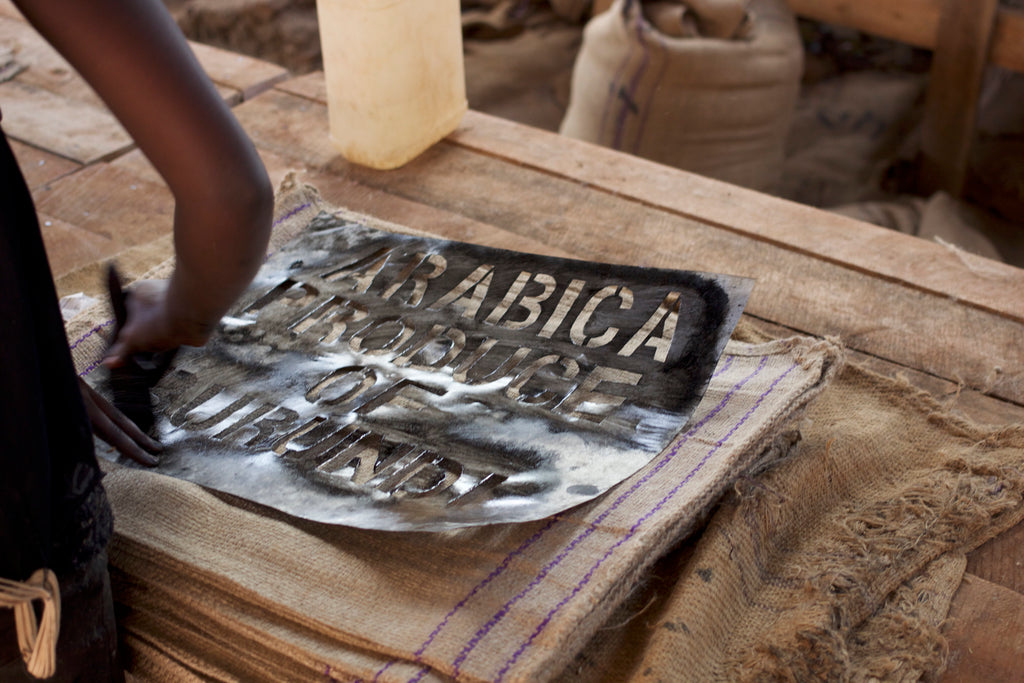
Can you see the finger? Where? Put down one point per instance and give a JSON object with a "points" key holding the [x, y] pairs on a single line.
{"points": [[116, 355], [132, 430], [106, 430], [125, 439], [112, 361], [123, 422]]}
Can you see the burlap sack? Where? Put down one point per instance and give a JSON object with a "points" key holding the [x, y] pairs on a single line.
{"points": [[571, 10], [961, 226], [839, 563], [846, 134], [688, 85], [215, 587]]}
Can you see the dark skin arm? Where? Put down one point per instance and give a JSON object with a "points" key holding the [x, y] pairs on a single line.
{"points": [[134, 56]]}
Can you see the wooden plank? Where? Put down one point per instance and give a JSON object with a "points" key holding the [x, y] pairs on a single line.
{"points": [[931, 332], [70, 129], [985, 634], [248, 75], [952, 396], [311, 86], [46, 70], [871, 249], [345, 192], [1001, 560], [928, 332], [136, 163], [39, 166], [129, 217], [290, 126], [111, 203], [954, 85], [69, 247], [915, 22]]}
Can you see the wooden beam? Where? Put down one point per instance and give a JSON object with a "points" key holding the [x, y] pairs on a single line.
{"points": [[1001, 560], [915, 22], [985, 637], [954, 84]]}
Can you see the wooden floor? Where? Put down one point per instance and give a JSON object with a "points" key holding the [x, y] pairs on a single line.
{"points": [[951, 323]]}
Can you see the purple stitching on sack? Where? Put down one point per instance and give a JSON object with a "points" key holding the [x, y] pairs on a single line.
{"points": [[89, 334], [90, 368], [291, 213], [632, 531], [500, 614], [612, 93], [627, 95], [85, 336], [419, 653], [476, 589]]}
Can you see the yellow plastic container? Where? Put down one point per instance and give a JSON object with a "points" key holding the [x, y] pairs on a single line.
{"points": [[395, 77]]}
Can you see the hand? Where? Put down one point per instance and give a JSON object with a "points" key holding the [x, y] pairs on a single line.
{"points": [[153, 324], [111, 425]]}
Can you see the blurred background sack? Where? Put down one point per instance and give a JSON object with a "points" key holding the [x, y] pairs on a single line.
{"points": [[707, 86]]}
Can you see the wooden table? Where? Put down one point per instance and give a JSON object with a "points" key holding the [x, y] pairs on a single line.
{"points": [[950, 322]]}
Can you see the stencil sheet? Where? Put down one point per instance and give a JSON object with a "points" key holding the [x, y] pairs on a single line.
{"points": [[396, 382]]}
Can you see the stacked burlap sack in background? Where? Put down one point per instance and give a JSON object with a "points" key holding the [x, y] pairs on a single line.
{"points": [[850, 147], [214, 587], [837, 564], [707, 86]]}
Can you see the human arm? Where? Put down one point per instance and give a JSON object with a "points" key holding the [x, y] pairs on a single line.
{"points": [[136, 59]]}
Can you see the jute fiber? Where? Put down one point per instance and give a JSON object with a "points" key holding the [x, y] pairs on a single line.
{"points": [[703, 85], [215, 587], [838, 563]]}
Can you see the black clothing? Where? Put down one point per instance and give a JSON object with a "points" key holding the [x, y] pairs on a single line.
{"points": [[53, 510]]}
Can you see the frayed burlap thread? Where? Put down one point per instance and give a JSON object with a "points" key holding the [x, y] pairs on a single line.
{"points": [[839, 562]]}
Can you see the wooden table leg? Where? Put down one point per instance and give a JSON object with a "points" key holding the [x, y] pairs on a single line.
{"points": [[961, 54]]}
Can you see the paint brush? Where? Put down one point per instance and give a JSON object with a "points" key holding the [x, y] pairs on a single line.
{"points": [[130, 384]]}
